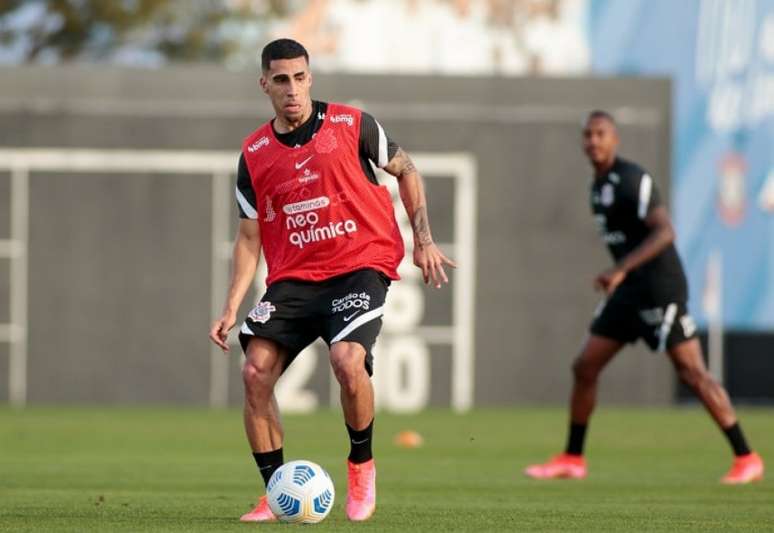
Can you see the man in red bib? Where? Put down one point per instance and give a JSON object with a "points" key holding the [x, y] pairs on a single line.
{"points": [[309, 199]]}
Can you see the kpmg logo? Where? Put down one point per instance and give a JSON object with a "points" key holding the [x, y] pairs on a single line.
{"points": [[257, 145], [343, 118]]}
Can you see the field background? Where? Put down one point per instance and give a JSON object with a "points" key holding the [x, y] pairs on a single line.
{"points": [[90, 469]]}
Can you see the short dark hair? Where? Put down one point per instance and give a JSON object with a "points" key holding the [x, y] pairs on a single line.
{"points": [[599, 113], [282, 49]]}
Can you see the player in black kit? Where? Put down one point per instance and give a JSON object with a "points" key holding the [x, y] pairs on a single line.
{"points": [[646, 295]]}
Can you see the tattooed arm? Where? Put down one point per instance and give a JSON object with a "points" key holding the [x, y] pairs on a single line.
{"points": [[412, 193], [427, 256]]}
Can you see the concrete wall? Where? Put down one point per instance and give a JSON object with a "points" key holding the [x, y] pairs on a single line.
{"points": [[120, 264]]}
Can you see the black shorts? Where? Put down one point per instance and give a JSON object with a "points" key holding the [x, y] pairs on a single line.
{"points": [[295, 313], [660, 325]]}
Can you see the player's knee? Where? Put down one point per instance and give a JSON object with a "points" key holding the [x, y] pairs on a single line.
{"points": [[257, 377], [347, 361], [348, 381], [583, 371], [694, 377]]}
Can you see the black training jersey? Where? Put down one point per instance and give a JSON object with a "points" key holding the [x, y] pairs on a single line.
{"points": [[621, 201], [375, 146]]}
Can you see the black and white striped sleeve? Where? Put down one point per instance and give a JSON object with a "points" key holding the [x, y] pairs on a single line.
{"points": [[245, 194], [374, 142]]}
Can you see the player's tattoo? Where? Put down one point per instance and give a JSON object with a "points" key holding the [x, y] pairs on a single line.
{"points": [[401, 164], [421, 227]]}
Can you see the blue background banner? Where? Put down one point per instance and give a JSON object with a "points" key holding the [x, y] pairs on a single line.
{"points": [[720, 56]]}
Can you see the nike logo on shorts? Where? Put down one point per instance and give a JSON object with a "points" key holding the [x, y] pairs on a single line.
{"points": [[350, 317], [304, 162]]}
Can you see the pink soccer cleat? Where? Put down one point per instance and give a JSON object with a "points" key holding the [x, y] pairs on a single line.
{"points": [[746, 468], [361, 490], [261, 513], [563, 465]]}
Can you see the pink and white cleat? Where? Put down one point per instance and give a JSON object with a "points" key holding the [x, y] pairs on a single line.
{"points": [[261, 513], [563, 465], [361, 490], [746, 469]]}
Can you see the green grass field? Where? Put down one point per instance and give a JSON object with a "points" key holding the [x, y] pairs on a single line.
{"points": [[82, 469]]}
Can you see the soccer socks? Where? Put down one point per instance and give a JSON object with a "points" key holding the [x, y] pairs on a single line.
{"points": [[268, 462], [576, 439], [360, 442], [736, 439]]}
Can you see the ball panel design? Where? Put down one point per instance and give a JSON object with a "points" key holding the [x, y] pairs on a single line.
{"points": [[301, 491], [322, 503], [302, 474]]}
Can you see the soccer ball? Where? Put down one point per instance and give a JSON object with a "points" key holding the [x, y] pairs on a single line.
{"points": [[300, 492]]}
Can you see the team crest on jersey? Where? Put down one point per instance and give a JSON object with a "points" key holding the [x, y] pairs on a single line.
{"points": [[325, 141], [608, 195], [261, 312]]}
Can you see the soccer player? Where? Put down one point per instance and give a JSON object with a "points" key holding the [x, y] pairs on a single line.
{"points": [[646, 298], [309, 200]]}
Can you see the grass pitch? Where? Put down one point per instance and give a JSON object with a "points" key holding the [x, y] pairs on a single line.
{"points": [[86, 469]]}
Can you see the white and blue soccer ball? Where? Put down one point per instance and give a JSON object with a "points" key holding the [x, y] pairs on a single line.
{"points": [[300, 492]]}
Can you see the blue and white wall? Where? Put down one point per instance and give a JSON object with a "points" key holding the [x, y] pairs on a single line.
{"points": [[720, 56]]}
